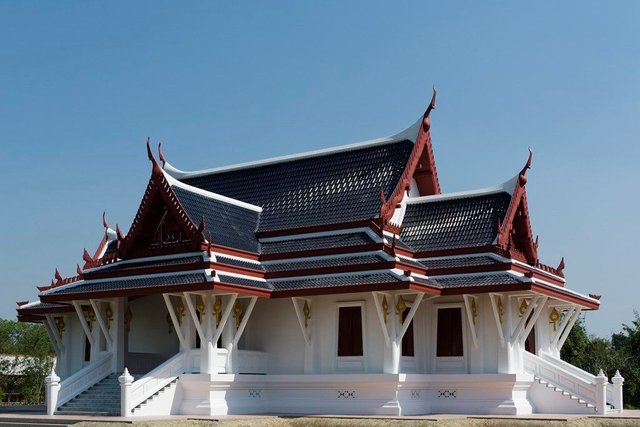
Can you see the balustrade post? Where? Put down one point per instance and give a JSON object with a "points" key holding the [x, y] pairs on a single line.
{"points": [[601, 392], [617, 381], [52, 388], [125, 381]]}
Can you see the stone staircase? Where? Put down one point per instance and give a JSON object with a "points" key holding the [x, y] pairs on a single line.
{"points": [[103, 398], [156, 398], [588, 407]]}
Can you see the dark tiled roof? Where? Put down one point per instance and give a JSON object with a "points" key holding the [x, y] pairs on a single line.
{"points": [[454, 223], [311, 243], [44, 306], [324, 189], [129, 283], [242, 281], [239, 263], [411, 262], [475, 280], [325, 262], [459, 262], [325, 282], [118, 266], [230, 225]]}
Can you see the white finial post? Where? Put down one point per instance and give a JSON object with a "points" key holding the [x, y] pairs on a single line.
{"points": [[125, 381], [601, 392], [617, 381], [52, 388]]}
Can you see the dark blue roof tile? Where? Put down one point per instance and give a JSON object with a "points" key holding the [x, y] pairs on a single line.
{"points": [[454, 223], [132, 283], [340, 240], [230, 225], [324, 189]]}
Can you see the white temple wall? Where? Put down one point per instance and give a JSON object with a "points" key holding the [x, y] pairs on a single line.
{"points": [[75, 344], [273, 328], [149, 328]]}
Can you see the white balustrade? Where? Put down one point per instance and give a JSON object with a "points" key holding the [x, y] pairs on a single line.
{"points": [[155, 380], [584, 375], [592, 389], [84, 378]]}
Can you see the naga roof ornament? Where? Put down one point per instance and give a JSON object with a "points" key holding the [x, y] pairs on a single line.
{"points": [[522, 177], [426, 120]]}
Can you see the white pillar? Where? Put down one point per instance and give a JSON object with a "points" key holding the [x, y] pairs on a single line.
{"points": [[52, 388], [617, 381], [118, 333], [601, 392], [125, 381], [394, 342], [207, 347]]}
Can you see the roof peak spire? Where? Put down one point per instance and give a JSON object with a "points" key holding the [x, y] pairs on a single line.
{"points": [[522, 176], [156, 166], [426, 120]]}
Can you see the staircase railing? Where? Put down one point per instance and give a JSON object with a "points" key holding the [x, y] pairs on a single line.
{"points": [[573, 380], [84, 378], [155, 380], [584, 375]]}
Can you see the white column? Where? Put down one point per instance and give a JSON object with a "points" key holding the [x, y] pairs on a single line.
{"points": [[394, 343], [119, 333], [52, 388], [617, 381], [601, 392], [125, 381], [207, 347]]}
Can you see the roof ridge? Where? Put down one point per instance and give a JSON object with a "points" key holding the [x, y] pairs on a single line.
{"points": [[409, 133], [209, 194], [505, 187]]}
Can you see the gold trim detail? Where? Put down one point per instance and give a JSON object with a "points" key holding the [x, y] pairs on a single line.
{"points": [[500, 309], [60, 326], [90, 316], [109, 315], [307, 313], [217, 309], [200, 307], [180, 311], [401, 306], [554, 316], [385, 309], [523, 307], [238, 311], [474, 310]]}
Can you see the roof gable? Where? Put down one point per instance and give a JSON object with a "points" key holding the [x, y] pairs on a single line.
{"points": [[451, 223], [327, 189]]}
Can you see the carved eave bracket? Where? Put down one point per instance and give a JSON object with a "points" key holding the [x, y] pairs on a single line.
{"points": [[421, 166], [161, 224]]}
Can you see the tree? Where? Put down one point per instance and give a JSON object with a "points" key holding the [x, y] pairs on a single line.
{"points": [[34, 357], [627, 344], [621, 352]]}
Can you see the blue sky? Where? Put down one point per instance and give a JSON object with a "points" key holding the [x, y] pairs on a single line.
{"points": [[82, 85]]}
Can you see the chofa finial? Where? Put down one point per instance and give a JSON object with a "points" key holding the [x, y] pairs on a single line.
{"points": [[58, 276], [161, 155], [156, 167], [523, 173], [104, 220], [426, 121], [560, 267]]}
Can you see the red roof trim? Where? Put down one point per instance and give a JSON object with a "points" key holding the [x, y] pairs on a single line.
{"points": [[420, 161]]}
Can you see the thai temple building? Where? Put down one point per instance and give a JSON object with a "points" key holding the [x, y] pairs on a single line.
{"points": [[339, 281]]}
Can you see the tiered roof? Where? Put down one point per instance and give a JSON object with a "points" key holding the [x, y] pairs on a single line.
{"points": [[330, 221]]}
